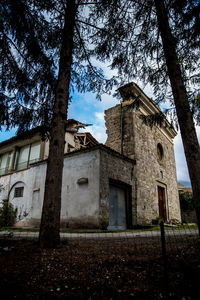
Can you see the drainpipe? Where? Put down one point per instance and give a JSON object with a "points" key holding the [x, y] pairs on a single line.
{"points": [[135, 201], [121, 129]]}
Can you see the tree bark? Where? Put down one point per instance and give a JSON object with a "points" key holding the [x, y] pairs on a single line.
{"points": [[49, 236], [184, 114]]}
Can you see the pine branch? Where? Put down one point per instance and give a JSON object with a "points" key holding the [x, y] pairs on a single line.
{"points": [[29, 63], [91, 25], [86, 54], [87, 3]]}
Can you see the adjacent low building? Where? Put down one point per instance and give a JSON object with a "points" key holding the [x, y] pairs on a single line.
{"points": [[188, 213], [131, 180]]}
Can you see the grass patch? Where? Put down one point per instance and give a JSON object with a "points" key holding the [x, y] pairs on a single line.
{"points": [[185, 226], [19, 229], [134, 229]]}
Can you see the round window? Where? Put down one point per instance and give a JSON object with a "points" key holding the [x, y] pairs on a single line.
{"points": [[160, 151]]}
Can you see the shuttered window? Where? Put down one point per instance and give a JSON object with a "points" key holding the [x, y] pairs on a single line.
{"points": [[19, 191]]}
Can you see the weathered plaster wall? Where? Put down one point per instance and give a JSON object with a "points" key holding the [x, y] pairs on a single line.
{"points": [[80, 193], [80, 200], [85, 188], [30, 205], [69, 139]]}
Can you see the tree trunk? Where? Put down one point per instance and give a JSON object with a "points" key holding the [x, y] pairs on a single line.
{"points": [[49, 236], [184, 114]]}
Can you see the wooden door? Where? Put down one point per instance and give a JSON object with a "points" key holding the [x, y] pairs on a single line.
{"points": [[161, 203]]}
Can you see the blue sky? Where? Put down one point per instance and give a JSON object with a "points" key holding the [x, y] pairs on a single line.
{"points": [[87, 109]]}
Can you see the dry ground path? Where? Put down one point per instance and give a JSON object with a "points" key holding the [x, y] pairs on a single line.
{"points": [[91, 235]]}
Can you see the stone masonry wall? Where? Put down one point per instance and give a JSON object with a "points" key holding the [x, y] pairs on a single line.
{"points": [[152, 172], [113, 127], [113, 167], [140, 143]]}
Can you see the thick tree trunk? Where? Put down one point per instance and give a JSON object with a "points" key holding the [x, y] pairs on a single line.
{"points": [[49, 236], [184, 114]]}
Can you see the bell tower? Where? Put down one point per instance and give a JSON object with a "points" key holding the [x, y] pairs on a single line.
{"points": [[151, 147]]}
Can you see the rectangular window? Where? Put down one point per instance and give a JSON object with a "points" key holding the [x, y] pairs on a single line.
{"points": [[5, 162], [22, 161], [34, 153], [27, 155], [19, 191]]}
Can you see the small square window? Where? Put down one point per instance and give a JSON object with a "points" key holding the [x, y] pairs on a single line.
{"points": [[19, 191]]}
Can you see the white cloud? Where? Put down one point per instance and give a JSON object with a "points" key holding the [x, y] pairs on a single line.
{"points": [[181, 164], [98, 133], [98, 130], [100, 116], [106, 102]]}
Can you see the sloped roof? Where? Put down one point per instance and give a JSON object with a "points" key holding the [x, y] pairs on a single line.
{"points": [[24, 135], [183, 188], [89, 139]]}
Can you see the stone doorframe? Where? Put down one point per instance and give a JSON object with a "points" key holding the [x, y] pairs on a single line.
{"points": [[128, 199], [164, 187]]}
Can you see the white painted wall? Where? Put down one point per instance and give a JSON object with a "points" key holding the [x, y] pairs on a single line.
{"points": [[32, 180], [69, 139], [80, 202]]}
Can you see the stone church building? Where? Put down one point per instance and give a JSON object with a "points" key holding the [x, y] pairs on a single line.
{"points": [[128, 181]]}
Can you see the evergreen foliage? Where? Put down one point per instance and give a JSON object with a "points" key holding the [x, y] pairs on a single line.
{"points": [[7, 214], [30, 40], [158, 43], [186, 201], [45, 56], [27, 81], [131, 41], [47, 47]]}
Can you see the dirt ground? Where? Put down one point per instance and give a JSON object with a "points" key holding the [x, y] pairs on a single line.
{"points": [[100, 269]]}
